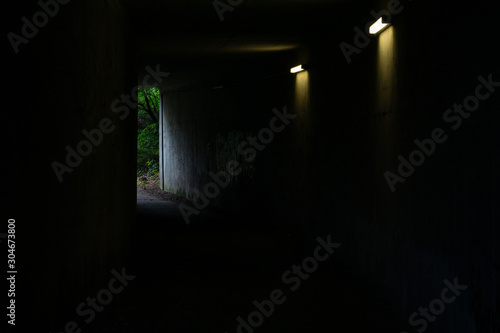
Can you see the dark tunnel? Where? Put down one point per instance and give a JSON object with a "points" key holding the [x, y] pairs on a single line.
{"points": [[335, 164]]}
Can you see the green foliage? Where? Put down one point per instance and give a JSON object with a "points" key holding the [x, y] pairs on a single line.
{"points": [[148, 131], [148, 106], [147, 149]]}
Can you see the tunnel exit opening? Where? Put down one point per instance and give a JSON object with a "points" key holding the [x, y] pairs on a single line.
{"points": [[148, 127]]}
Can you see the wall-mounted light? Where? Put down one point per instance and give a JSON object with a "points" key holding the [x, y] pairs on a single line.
{"points": [[297, 69], [378, 26]]}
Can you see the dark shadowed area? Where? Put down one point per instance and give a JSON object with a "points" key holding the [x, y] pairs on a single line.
{"points": [[360, 194]]}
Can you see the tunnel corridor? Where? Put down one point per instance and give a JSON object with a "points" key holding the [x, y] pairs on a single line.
{"points": [[335, 164]]}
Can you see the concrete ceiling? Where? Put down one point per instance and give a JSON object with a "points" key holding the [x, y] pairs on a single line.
{"points": [[186, 27], [188, 35]]}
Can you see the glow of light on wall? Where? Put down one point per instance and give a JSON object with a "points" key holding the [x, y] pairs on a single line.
{"points": [[302, 94], [378, 26], [386, 71], [387, 130]]}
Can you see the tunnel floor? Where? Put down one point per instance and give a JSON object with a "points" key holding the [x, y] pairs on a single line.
{"points": [[202, 277]]}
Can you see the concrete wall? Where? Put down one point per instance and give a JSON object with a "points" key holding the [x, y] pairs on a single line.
{"points": [[70, 234], [203, 128], [325, 172]]}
